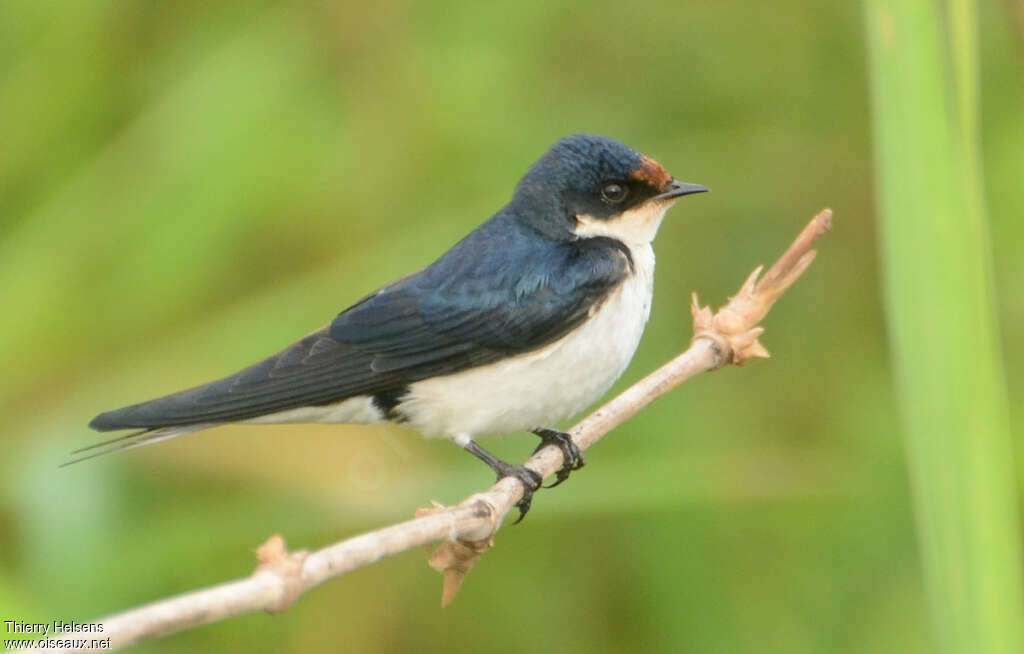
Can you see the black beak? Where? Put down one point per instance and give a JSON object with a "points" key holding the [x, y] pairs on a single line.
{"points": [[676, 189]]}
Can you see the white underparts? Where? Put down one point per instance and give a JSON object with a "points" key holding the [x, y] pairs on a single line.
{"points": [[358, 410]]}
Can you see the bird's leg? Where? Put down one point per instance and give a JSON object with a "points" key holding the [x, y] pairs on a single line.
{"points": [[572, 454], [531, 480]]}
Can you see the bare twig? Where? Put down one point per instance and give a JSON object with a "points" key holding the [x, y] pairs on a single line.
{"points": [[466, 530]]}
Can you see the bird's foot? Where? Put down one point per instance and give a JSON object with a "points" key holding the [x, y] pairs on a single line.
{"points": [[530, 479], [571, 453]]}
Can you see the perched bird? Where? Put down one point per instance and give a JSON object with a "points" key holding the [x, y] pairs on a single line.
{"points": [[523, 323]]}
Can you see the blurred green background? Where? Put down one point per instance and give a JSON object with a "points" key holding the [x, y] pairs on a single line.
{"points": [[186, 187]]}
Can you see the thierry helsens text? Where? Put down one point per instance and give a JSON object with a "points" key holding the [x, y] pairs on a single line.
{"points": [[55, 627]]}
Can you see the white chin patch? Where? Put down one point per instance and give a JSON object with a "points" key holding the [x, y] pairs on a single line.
{"points": [[634, 227]]}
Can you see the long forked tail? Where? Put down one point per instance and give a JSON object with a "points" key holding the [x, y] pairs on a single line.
{"points": [[135, 439]]}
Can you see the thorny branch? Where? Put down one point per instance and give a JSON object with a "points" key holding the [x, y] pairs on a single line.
{"points": [[466, 531]]}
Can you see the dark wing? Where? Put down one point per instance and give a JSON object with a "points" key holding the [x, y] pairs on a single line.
{"points": [[472, 307]]}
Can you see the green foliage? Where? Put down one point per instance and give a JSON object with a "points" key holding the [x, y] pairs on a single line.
{"points": [[943, 321], [185, 187]]}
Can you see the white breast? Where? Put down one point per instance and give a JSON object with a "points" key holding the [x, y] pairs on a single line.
{"points": [[542, 387]]}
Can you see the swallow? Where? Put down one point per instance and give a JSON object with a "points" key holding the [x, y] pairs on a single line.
{"points": [[523, 323]]}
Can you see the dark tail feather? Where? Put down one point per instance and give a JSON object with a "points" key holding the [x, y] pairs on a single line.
{"points": [[136, 439], [113, 440]]}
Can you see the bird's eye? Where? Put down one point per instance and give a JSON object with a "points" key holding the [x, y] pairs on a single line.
{"points": [[614, 193]]}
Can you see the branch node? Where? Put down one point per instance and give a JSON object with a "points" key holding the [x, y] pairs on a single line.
{"points": [[483, 507], [704, 327], [455, 557], [274, 559]]}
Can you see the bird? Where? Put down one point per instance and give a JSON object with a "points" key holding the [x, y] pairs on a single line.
{"points": [[523, 323]]}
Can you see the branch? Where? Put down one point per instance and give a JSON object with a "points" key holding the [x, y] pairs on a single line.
{"points": [[466, 530]]}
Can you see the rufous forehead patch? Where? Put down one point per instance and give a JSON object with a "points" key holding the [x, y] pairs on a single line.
{"points": [[651, 172]]}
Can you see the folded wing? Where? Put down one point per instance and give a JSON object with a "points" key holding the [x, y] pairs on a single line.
{"points": [[475, 305]]}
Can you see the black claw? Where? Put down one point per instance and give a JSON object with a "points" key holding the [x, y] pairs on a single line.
{"points": [[531, 482], [530, 479], [574, 459]]}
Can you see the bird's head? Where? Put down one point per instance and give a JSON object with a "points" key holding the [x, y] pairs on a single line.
{"points": [[587, 186]]}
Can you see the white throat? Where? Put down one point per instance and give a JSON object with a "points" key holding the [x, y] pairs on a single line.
{"points": [[634, 227]]}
